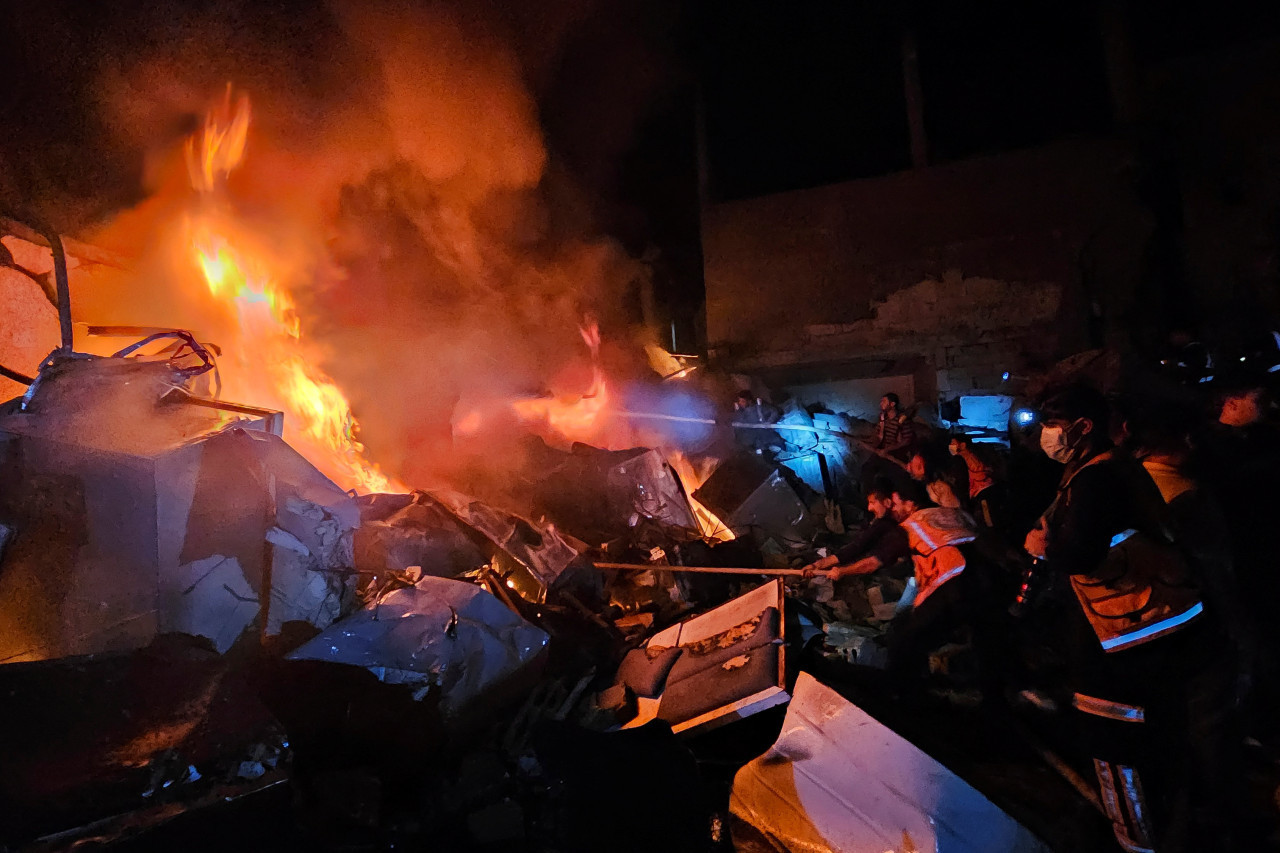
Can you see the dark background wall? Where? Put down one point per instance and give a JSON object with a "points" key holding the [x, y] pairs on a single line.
{"points": [[1121, 155]]}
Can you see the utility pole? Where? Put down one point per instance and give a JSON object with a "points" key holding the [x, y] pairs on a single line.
{"points": [[914, 95]]}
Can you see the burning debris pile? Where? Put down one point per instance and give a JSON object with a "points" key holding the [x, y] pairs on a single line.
{"points": [[418, 662], [150, 528]]}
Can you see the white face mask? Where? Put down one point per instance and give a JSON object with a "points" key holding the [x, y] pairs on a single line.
{"points": [[1053, 442]]}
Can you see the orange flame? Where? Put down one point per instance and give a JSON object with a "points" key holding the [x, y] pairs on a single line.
{"points": [[220, 147], [319, 418], [693, 478], [574, 418]]}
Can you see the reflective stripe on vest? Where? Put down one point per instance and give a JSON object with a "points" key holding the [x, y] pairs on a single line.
{"points": [[1155, 629], [1108, 708], [1126, 805], [1120, 537]]}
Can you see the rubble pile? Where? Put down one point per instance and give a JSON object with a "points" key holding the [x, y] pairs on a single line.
{"points": [[419, 665]]}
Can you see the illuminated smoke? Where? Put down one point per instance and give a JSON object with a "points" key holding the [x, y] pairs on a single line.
{"points": [[394, 180]]}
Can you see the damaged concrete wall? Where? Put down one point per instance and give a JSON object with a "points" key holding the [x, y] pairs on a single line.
{"points": [[976, 267]]}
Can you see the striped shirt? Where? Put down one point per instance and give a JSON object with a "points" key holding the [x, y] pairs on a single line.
{"points": [[895, 428]]}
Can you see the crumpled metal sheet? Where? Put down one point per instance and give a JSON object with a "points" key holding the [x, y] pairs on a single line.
{"points": [[401, 531], [440, 634], [540, 548], [837, 780], [601, 495], [311, 539], [208, 598]]}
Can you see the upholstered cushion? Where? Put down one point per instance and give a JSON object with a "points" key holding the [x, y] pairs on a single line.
{"points": [[645, 670], [729, 644], [734, 678]]}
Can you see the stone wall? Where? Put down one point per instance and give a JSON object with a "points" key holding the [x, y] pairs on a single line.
{"points": [[981, 267]]}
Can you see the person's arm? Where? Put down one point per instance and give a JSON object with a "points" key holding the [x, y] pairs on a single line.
{"points": [[865, 566], [820, 565], [847, 553], [891, 547]]}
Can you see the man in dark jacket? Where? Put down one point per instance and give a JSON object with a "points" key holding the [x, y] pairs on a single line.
{"points": [[1147, 667]]}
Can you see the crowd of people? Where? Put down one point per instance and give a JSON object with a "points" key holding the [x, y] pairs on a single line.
{"points": [[1137, 548]]}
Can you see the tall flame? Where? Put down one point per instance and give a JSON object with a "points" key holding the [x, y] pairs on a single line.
{"points": [[692, 477], [318, 416]]}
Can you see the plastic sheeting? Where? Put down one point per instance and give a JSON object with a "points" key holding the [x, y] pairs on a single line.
{"points": [[837, 780], [440, 634]]}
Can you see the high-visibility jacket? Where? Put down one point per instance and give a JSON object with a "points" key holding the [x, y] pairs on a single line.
{"points": [[1144, 588], [934, 535]]}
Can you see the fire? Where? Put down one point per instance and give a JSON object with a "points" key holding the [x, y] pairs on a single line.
{"points": [[693, 477], [580, 418], [219, 148], [271, 347], [225, 273]]}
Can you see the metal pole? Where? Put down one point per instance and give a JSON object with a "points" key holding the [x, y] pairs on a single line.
{"points": [[793, 427], [707, 570], [64, 288]]}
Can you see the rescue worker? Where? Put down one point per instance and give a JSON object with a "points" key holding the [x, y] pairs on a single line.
{"points": [[982, 498], [941, 491], [879, 539], [947, 597], [1146, 663], [750, 413]]}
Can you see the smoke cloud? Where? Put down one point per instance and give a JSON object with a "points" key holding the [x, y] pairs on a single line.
{"points": [[398, 182]]}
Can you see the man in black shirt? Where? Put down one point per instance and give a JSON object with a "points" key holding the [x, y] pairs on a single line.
{"points": [[883, 538]]}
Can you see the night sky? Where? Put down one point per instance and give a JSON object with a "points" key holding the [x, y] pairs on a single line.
{"points": [[788, 94], [801, 94]]}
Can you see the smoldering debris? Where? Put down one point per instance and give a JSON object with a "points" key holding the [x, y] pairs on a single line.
{"points": [[107, 746]]}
